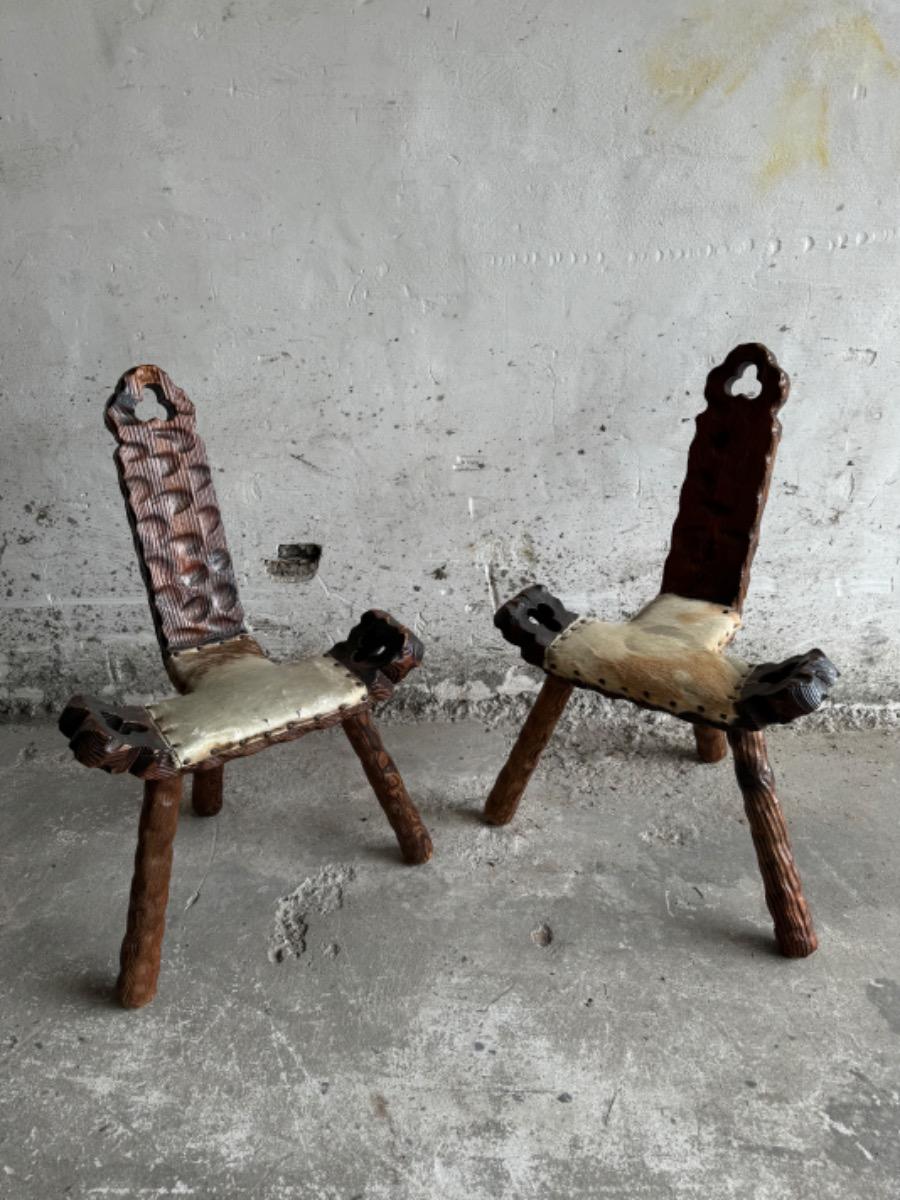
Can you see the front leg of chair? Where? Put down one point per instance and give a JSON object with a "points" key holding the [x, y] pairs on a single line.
{"points": [[794, 931], [534, 735], [712, 744], [142, 947], [207, 788], [388, 786]]}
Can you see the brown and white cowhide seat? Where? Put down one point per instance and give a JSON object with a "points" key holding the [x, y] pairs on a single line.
{"points": [[670, 656]]}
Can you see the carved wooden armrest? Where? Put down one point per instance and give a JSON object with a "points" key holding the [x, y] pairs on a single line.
{"points": [[531, 620], [776, 693], [379, 651], [116, 739]]}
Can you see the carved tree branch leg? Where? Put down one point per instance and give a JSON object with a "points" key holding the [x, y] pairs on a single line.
{"points": [[712, 744], [388, 786], [784, 893], [206, 791], [141, 949], [534, 735]]}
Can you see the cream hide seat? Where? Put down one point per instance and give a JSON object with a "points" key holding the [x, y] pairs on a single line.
{"points": [[235, 695], [668, 656]]}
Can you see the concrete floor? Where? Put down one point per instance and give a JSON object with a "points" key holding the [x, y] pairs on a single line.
{"points": [[584, 1004]]}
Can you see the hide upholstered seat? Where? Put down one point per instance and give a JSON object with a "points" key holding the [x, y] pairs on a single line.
{"points": [[672, 655], [237, 697], [232, 700]]}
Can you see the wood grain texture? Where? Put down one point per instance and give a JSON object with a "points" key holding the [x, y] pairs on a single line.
{"points": [[142, 946], [794, 931], [531, 620], [501, 804], [116, 738], [776, 693], [174, 514], [379, 651], [207, 790], [387, 784], [712, 744], [724, 494]]}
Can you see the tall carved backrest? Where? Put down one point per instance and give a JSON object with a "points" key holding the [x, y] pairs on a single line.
{"points": [[724, 494], [174, 515]]}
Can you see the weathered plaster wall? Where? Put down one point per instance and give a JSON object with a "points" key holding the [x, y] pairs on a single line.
{"points": [[444, 281]]}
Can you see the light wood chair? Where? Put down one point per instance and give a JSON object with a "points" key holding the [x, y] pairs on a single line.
{"points": [[232, 700]]}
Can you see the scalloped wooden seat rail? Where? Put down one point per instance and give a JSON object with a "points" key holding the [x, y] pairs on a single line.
{"points": [[673, 655], [231, 700]]}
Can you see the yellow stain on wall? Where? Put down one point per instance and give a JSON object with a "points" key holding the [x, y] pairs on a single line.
{"points": [[802, 132], [715, 45], [853, 41], [683, 83], [721, 46], [848, 51]]}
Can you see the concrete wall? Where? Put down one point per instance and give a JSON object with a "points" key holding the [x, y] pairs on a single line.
{"points": [[444, 281]]}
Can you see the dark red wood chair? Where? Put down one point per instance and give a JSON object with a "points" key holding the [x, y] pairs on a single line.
{"points": [[670, 656], [232, 700]]}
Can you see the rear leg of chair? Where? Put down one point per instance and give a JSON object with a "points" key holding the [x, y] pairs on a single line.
{"points": [[534, 735], [142, 947], [794, 931], [206, 791], [712, 744], [388, 786]]}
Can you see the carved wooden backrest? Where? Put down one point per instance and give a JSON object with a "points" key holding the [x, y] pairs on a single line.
{"points": [[174, 515], [724, 493]]}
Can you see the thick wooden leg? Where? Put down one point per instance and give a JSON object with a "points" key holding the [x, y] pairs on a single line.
{"points": [[141, 949], [530, 744], [382, 773], [784, 894], [712, 744], [206, 791]]}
